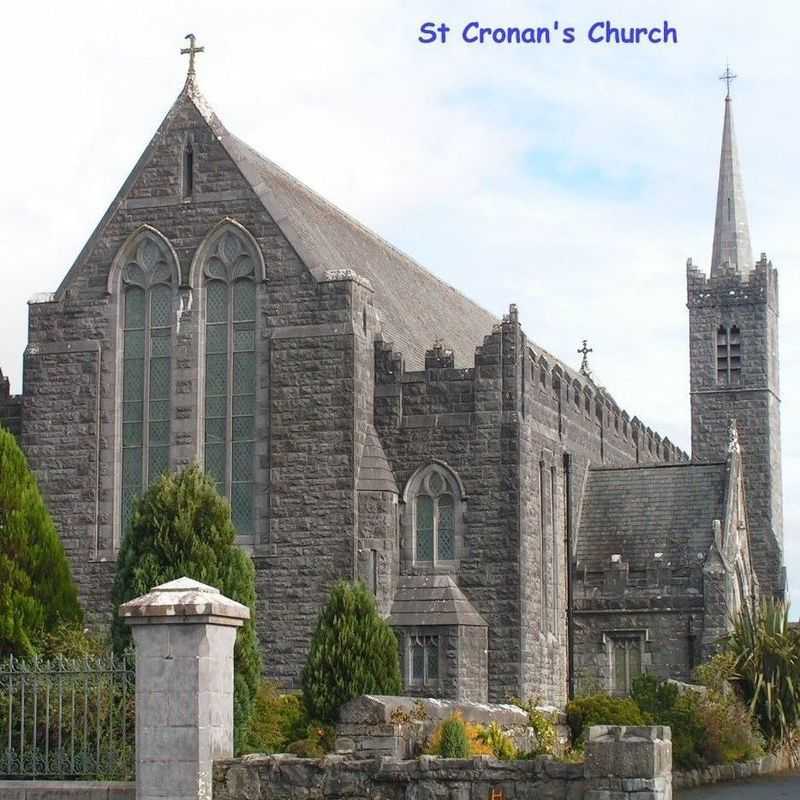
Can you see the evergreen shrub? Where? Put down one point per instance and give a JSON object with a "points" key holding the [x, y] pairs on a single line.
{"points": [[37, 593], [353, 652], [182, 526]]}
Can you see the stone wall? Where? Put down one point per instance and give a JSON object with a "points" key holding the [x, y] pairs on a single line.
{"points": [[717, 773], [67, 790], [621, 763], [289, 778], [671, 626]]}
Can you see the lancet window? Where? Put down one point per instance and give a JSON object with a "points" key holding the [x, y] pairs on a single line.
{"points": [[148, 289]]}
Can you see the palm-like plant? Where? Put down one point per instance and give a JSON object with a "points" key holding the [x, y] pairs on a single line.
{"points": [[767, 667]]}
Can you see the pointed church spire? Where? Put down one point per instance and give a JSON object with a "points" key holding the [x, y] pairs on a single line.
{"points": [[731, 232]]}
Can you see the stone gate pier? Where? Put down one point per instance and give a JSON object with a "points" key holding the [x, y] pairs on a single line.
{"points": [[184, 633]]}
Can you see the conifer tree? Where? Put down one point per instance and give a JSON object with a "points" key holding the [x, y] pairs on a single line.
{"points": [[353, 652], [182, 526], [37, 593]]}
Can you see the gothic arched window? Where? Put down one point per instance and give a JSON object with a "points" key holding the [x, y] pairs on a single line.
{"points": [[148, 287], [230, 373], [435, 500]]}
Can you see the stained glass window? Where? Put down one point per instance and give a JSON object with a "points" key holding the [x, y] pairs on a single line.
{"points": [[133, 364], [230, 382], [424, 528], [446, 539], [434, 522], [146, 373]]}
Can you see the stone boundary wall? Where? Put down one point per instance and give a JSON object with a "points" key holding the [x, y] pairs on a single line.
{"points": [[289, 778], [67, 790], [622, 763], [717, 773]]}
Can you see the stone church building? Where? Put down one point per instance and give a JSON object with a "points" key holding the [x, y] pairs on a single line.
{"points": [[522, 533]]}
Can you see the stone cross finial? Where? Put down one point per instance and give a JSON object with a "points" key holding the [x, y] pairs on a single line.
{"points": [[728, 77], [584, 351], [191, 51]]}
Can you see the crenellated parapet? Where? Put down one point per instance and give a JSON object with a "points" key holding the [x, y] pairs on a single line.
{"points": [[728, 286], [511, 376], [10, 407]]}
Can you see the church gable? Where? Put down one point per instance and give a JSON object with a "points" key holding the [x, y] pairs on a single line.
{"points": [[184, 176]]}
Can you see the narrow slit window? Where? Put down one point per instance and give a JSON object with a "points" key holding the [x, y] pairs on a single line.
{"points": [[188, 170]]}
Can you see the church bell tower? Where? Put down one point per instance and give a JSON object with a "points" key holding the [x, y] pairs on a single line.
{"points": [[734, 370]]}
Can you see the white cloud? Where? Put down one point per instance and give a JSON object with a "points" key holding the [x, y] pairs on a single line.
{"points": [[430, 145]]}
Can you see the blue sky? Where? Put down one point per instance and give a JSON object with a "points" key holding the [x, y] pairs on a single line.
{"points": [[572, 180]]}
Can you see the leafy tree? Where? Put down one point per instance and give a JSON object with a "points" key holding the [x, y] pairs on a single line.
{"points": [[36, 589], [353, 652], [767, 667], [181, 526]]}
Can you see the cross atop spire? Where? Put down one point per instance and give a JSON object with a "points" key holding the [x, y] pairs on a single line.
{"points": [[191, 51], [731, 248], [584, 351], [728, 77]]}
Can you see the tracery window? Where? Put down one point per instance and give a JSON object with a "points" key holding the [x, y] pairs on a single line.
{"points": [[230, 375], [729, 355], [148, 286], [434, 498]]}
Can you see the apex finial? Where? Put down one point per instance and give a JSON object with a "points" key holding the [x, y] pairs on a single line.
{"points": [[191, 51], [728, 77], [584, 351]]}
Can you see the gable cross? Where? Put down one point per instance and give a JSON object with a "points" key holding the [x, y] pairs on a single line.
{"points": [[584, 351], [728, 77], [191, 51]]}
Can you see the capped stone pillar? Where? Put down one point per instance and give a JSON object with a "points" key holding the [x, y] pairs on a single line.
{"points": [[629, 763], [184, 633]]}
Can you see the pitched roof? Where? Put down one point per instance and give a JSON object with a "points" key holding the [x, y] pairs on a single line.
{"points": [[431, 600], [415, 307], [374, 472], [637, 512]]}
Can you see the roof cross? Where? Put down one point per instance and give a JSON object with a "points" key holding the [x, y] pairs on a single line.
{"points": [[584, 351], [728, 77], [191, 51]]}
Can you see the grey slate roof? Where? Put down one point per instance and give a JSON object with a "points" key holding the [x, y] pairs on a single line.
{"points": [[415, 306], [431, 600], [375, 474], [639, 511]]}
